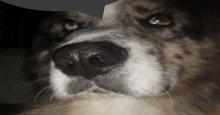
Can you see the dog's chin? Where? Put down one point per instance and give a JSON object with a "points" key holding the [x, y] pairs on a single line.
{"points": [[100, 93]]}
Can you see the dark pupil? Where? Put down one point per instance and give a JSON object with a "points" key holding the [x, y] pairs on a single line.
{"points": [[161, 18], [71, 23]]}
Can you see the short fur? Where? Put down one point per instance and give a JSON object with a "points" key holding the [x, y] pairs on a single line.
{"points": [[169, 68]]}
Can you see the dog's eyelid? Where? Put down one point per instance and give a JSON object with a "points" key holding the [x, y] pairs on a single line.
{"points": [[71, 26]]}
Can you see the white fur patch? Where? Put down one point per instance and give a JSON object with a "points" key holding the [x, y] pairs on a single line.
{"points": [[59, 82], [144, 71]]}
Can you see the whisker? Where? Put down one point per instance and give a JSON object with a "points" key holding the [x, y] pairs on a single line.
{"points": [[170, 97], [41, 92], [153, 96], [144, 102], [139, 97], [43, 72], [47, 91], [51, 97], [38, 80], [141, 101]]}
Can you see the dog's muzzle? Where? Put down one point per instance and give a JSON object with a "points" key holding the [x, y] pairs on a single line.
{"points": [[89, 59]]}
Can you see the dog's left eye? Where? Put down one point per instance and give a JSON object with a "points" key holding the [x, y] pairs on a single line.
{"points": [[70, 25], [160, 19]]}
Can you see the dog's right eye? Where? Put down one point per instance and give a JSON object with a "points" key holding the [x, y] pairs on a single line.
{"points": [[70, 25], [160, 19]]}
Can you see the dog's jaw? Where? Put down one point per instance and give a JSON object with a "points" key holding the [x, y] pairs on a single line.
{"points": [[116, 106]]}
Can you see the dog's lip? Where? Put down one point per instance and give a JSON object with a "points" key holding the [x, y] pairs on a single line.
{"points": [[98, 91]]}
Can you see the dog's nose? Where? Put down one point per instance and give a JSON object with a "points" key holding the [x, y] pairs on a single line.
{"points": [[89, 59]]}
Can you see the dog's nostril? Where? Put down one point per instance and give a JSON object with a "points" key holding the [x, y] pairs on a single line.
{"points": [[101, 61], [97, 61]]}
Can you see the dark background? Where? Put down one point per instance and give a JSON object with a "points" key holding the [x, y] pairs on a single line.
{"points": [[18, 28], [19, 25]]}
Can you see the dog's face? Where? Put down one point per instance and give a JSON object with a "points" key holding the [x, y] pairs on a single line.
{"points": [[140, 48]]}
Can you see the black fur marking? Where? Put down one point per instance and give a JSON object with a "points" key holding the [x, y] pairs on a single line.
{"points": [[178, 56]]}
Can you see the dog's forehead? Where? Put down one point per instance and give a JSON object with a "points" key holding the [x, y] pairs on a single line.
{"points": [[79, 17], [137, 8], [112, 12], [118, 10], [148, 4]]}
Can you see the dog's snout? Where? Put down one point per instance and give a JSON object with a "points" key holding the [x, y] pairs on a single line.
{"points": [[89, 59]]}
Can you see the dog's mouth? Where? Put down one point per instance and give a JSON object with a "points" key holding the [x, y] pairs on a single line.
{"points": [[96, 92]]}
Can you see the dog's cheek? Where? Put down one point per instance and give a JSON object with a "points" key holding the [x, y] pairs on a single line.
{"points": [[199, 60], [181, 62], [173, 55], [188, 61], [144, 71]]}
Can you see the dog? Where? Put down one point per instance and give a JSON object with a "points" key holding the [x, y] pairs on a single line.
{"points": [[145, 57]]}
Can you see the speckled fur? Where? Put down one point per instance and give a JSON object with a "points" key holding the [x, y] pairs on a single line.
{"points": [[184, 54]]}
